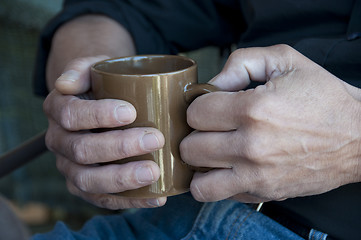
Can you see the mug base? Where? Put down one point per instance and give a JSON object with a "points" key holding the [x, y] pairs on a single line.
{"points": [[140, 193]]}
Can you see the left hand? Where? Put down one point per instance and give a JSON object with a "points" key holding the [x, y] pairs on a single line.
{"points": [[296, 135]]}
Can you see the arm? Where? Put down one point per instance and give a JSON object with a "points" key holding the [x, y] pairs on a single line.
{"points": [[88, 35], [78, 151]]}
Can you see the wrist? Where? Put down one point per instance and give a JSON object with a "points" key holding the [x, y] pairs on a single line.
{"points": [[355, 94]]}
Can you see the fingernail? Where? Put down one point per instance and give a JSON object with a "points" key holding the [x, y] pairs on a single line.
{"points": [[149, 142], [70, 75], [123, 113], [198, 193], [144, 175], [153, 202]]}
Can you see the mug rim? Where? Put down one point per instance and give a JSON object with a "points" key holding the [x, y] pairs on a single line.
{"points": [[94, 69]]}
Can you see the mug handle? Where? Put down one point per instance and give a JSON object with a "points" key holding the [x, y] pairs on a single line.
{"points": [[194, 90]]}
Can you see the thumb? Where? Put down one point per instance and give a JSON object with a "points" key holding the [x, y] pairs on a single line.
{"points": [[76, 76], [254, 64]]}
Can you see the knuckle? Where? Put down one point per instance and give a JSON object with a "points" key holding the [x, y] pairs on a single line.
{"points": [[283, 48], [72, 189], [257, 111], [260, 116], [46, 106], [183, 147], [262, 110], [128, 149], [82, 181], [254, 149], [49, 102], [123, 182], [287, 52], [236, 54], [49, 141], [192, 119], [264, 186], [60, 165], [109, 202], [240, 54], [79, 149], [133, 203], [66, 118], [288, 58], [94, 118]]}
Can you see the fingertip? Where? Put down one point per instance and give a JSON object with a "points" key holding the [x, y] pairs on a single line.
{"points": [[162, 201], [216, 81], [230, 80], [146, 172], [157, 202], [196, 193], [125, 113], [65, 87], [195, 189], [160, 137], [155, 170], [151, 140], [72, 82], [76, 76], [214, 185]]}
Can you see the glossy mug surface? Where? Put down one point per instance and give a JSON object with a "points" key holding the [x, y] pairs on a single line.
{"points": [[160, 87]]}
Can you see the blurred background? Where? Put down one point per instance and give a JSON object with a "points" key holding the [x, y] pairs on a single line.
{"points": [[37, 191]]}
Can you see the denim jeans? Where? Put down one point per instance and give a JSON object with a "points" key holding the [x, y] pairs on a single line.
{"points": [[181, 218]]}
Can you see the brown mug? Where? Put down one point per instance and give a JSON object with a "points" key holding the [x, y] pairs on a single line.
{"points": [[160, 87]]}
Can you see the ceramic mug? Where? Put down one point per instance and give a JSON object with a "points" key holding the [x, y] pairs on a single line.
{"points": [[160, 87]]}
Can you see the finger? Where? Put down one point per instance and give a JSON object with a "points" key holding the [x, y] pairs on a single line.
{"points": [[89, 148], [220, 111], [115, 202], [211, 149], [244, 182], [219, 184], [112, 178], [255, 64], [74, 114], [214, 185], [76, 76]]}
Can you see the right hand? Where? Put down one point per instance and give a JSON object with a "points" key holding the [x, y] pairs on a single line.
{"points": [[79, 151]]}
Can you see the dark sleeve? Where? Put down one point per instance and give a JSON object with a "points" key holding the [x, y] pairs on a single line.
{"points": [[339, 56], [157, 26]]}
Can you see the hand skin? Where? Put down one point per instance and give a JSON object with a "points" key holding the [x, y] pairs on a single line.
{"points": [[296, 135], [79, 151]]}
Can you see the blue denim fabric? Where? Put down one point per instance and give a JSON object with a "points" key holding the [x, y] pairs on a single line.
{"points": [[181, 218], [316, 235]]}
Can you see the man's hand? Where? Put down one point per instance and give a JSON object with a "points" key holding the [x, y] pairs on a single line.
{"points": [[79, 152], [296, 135]]}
